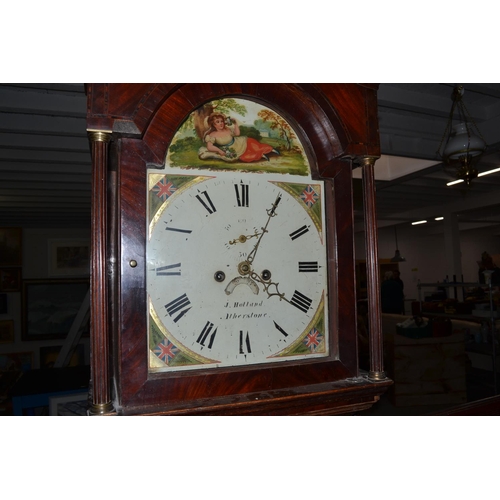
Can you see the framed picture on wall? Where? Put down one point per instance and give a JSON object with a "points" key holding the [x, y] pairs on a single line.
{"points": [[69, 404], [6, 331], [10, 280], [16, 361], [49, 355], [10, 246], [3, 303], [49, 307], [69, 257]]}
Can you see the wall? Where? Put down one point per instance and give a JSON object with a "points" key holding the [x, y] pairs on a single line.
{"points": [[423, 248], [473, 243], [35, 251]]}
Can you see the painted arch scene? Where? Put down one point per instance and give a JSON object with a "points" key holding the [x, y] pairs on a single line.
{"points": [[237, 134]]}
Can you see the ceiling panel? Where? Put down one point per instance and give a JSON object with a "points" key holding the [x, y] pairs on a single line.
{"points": [[45, 164]]}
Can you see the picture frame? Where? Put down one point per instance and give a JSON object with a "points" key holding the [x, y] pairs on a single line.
{"points": [[49, 307], [6, 331], [3, 303], [10, 246], [69, 257], [69, 404], [49, 355], [16, 361], [10, 279]]}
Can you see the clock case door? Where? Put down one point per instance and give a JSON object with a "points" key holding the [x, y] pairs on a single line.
{"points": [[336, 124]]}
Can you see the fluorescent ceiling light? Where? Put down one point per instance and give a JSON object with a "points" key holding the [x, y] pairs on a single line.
{"points": [[418, 222], [438, 218], [489, 172], [454, 182]]}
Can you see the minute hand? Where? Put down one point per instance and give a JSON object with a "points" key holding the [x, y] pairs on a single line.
{"points": [[271, 213]]}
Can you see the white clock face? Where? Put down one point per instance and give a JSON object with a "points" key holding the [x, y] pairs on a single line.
{"points": [[236, 271]]}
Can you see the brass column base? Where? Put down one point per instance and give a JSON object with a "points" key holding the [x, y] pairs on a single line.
{"points": [[101, 409], [377, 375]]}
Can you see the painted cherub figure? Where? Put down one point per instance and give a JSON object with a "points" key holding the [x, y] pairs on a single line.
{"points": [[224, 141]]}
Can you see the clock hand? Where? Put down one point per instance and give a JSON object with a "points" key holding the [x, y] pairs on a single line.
{"points": [[247, 275], [251, 278], [244, 238], [267, 284], [271, 213]]}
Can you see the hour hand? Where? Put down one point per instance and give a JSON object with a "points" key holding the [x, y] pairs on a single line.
{"points": [[265, 281]]}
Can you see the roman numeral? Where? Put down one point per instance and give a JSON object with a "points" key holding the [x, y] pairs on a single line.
{"points": [[278, 327], [308, 267], [209, 206], [245, 343], [180, 305], [299, 232], [168, 228], [169, 270], [207, 329], [241, 194], [300, 301]]}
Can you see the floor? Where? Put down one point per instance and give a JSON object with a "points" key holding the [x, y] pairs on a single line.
{"points": [[479, 386]]}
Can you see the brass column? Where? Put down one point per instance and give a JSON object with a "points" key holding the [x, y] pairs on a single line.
{"points": [[372, 269], [99, 314]]}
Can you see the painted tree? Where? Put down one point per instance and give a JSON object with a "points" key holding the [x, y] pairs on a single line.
{"points": [[197, 119], [277, 123]]}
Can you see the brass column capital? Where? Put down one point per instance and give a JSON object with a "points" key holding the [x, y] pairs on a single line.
{"points": [[368, 160], [99, 135]]}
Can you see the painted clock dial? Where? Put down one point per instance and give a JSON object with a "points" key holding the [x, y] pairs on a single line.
{"points": [[236, 270]]}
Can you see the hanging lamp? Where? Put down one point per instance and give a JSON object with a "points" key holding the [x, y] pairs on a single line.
{"points": [[462, 147], [397, 256]]}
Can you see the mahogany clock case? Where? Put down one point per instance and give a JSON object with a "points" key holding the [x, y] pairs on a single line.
{"points": [[333, 124]]}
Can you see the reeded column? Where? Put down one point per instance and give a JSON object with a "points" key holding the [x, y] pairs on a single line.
{"points": [[99, 314], [372, 270]]}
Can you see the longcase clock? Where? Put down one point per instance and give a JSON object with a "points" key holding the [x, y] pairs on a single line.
{"points": [[223, 259]]}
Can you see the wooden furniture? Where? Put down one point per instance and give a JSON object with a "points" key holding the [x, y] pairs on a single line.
{"points": [[479, 316], [425, 371], [130, 127]]}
